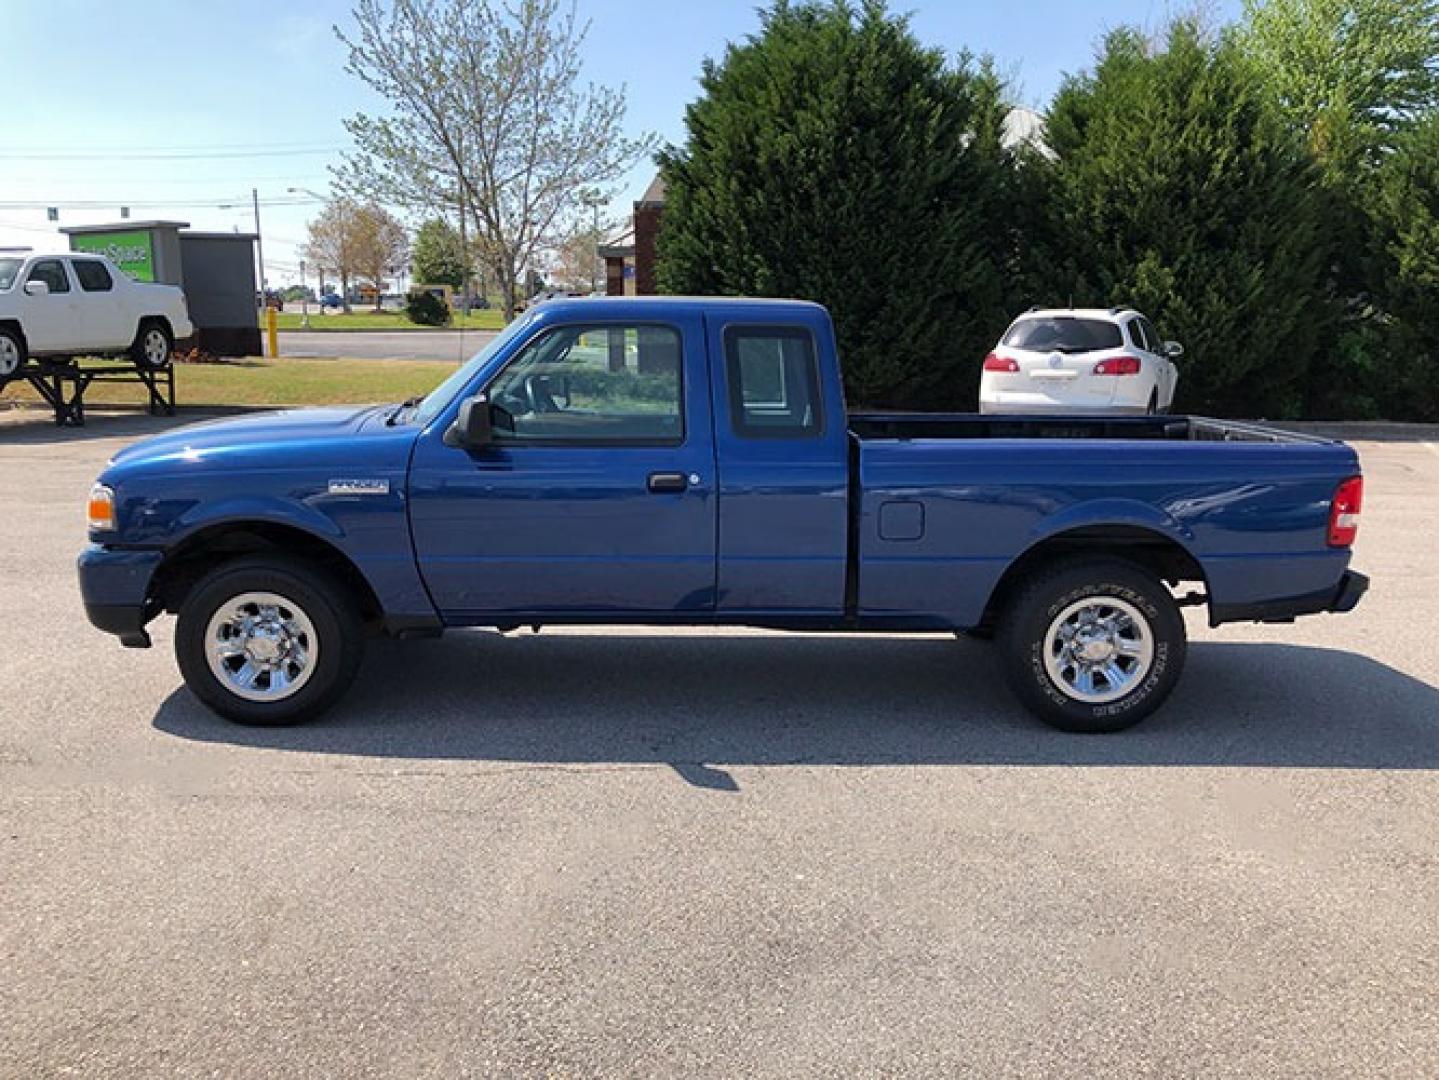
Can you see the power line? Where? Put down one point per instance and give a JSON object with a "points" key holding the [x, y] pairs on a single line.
{"points": [[273, 144], [219, 202], [131, 155]]}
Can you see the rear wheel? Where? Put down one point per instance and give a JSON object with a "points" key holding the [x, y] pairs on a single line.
{"points": [[153, 345], [12, 353], [268, 641], [1094, 645]]}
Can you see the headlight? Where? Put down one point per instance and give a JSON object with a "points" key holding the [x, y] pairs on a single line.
{"points": [[101, 509]]}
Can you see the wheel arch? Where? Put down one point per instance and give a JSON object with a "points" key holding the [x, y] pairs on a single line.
{"points": [[14, 324], [211, 545], [1154, 549]]}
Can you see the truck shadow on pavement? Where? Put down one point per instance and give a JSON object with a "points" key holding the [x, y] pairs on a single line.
{"points": [[702, 703]]}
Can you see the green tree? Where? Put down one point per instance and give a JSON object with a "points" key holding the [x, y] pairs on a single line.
{"points": [[1352, 78], [437, 257], [1182, 192], [833, 157], [1350, 74], [1406, 222]]}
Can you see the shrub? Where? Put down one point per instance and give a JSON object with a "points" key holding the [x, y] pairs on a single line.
{"points": [[426, 309]]}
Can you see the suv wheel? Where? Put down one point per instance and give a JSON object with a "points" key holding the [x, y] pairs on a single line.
{"points": [[153, 346], [268, 641], [1094, 645], [12, 353]]}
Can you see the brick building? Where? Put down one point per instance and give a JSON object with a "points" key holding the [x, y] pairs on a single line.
{"points": [[630, 256]]}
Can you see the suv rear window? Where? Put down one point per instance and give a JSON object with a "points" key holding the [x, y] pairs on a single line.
{"points": [[92, 275], [1063, 334]]}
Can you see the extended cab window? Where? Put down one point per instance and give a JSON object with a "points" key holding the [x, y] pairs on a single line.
{"points": [[92, 275], [8, 269], [594, 384], [52, 273], [773, 377]]}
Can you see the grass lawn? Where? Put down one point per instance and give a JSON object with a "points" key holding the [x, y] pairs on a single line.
{"points": [[273, 382], [289, 319]]}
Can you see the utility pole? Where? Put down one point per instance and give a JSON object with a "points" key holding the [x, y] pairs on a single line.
{"points": [[259, 248], [464, 261], [304, 299], [593, 198]]}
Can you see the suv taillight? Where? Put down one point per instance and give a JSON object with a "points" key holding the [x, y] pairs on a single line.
{"points": [[1344, 512], [1119, 365], [1000, 363]]}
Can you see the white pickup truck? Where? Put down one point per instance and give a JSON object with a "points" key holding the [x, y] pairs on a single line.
{"points": [[56, 306]]}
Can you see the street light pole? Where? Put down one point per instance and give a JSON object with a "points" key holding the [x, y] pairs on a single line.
{"points": [[259, 247]]}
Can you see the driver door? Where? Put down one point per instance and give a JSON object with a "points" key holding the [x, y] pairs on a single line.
{"points": [[50, 320], [596, 498]]}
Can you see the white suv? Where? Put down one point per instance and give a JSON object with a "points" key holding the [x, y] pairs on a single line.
{"points": [[1080, 361], [83, 305]]}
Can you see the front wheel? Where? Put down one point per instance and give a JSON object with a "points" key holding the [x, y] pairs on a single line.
{"points": [[12, 353], [1094, 645], [268, 641]]}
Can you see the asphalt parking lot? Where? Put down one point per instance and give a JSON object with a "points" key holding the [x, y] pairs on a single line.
{"points": [[730, 853]]}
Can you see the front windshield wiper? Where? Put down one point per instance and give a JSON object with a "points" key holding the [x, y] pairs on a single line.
{"points": [[408, 403]]}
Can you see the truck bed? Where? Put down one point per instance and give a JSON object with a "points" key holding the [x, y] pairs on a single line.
{"points": [[1149, 428]]}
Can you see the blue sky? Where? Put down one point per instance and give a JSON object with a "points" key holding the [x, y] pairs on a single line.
{"points": [[178, 108]]}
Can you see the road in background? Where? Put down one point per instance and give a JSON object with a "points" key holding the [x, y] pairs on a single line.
{"points": [[454, 345], [614, 851]]}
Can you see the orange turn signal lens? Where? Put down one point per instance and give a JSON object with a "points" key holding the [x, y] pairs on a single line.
{"points": [[101, 508]]}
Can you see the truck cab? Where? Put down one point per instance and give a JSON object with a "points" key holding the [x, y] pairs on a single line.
{"points": [[691, 461]]}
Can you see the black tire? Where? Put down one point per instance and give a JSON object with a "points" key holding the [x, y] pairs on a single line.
{"points": [[145, 349], [1025, 623], [321, 599], [13, 354]]}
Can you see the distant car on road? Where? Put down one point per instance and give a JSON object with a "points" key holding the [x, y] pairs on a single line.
{"points": [[58, 306], [1083, 361], [331, 300]]}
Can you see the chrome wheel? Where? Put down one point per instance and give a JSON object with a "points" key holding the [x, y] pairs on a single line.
{"points": [[261, 646], [1098, 649], [9, 356], [155, 347]]}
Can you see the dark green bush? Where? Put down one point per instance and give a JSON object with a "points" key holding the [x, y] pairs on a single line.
{"points": [[426, 309]]}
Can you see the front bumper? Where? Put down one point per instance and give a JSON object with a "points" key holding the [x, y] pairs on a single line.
{"points": [[115, 586], [1341, 598]]}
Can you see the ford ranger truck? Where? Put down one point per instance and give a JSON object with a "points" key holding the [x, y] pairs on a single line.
{"points": [[669, 461]]}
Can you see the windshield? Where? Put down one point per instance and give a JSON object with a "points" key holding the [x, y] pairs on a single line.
{"points": [[440, 396], [8, 269], [1063, 334]]}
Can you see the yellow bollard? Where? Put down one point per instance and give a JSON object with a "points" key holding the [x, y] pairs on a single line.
{"points": [[272, 331]]}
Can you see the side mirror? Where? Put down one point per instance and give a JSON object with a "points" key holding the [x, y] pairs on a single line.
{"points": [[476, 422], [1173, 350], [474, 426], [37, 288]]}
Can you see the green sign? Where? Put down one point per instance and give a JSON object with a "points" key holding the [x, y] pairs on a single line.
{"points": [[133, 251]]}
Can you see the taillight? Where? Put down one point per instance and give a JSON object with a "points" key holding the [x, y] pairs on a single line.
{"points": [[1000, 363], [1119, 365], [1344, 512]]}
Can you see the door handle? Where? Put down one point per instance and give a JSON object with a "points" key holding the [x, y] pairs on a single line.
{"points": [[661, 482]]}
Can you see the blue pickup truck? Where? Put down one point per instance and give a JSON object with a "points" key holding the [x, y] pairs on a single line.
{"points": [[691, 461]]}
